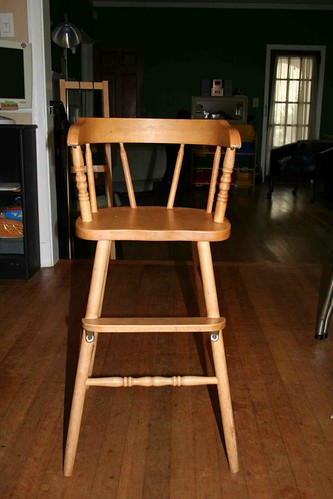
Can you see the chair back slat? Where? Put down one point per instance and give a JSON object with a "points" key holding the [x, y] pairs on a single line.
{"points": [[213, 180], [127, 175], [91, 179], [176, 175], [81, 184], [222, 196]]}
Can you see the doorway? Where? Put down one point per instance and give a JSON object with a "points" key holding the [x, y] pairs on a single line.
{"points": [[122, 67], [293, 96]]}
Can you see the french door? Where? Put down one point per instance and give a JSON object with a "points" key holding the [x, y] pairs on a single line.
{"points": [[293, 96]]}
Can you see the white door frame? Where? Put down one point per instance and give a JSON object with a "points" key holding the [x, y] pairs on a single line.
{"points": [[38, 14], [300, 48]]}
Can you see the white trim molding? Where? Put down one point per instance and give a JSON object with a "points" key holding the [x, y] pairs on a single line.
{"points": [[39, 37]]}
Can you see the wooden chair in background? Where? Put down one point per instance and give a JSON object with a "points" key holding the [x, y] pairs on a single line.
{"points": [[83, 94], [153, 223]]}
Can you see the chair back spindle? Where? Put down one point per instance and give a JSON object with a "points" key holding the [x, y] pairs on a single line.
{"points": [[213, 182], [222, 196], [176, 175], [127, 175], [81, 184], [91, 178]]}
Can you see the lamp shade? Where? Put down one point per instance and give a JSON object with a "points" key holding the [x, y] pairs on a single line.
{"points": [[66, 35]]}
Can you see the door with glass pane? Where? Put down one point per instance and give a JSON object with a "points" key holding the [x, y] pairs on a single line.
{"points": [[292, 103], [293, 98]]}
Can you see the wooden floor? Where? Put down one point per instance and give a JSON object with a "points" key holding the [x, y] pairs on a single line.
{"points": [[286, 229], [161, 443]]}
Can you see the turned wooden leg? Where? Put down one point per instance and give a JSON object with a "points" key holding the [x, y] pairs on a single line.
{"points": [[87, 352], [198, 280], [223, 388], [79, 394], [97, 288], [202, 309], [220, 364]]}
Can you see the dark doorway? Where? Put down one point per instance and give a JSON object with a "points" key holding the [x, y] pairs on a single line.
{"points": [[122, 67]]}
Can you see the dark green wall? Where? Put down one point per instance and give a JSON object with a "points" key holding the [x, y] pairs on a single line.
{"points": [[182, 45], [78, 12]]}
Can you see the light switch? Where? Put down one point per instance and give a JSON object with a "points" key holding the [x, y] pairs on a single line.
{"points": [[255, 102], [6, 25]]}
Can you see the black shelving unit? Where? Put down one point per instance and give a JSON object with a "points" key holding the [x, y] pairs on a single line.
{"points": [[19, 237]]}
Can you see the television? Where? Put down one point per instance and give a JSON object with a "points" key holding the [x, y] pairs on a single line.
{"points": [[16, 75]]}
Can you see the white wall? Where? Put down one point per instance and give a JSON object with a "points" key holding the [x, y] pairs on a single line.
{"points": [[32, 24], [40, 38]]}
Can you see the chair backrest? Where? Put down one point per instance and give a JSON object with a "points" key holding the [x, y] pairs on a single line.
{"points": [[90, 87], [216, 133]]}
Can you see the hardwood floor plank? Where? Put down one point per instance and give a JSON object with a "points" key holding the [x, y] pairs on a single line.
{"points": [[285, 410], [106, 480], [264, 444], [182, 470], [31, 471], [29, 423], [131, 479]]}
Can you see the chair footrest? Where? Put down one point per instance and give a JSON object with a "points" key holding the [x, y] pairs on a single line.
{"points": [[128, 381], [153, 324]]}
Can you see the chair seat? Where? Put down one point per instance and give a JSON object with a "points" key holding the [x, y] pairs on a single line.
{"points": [[151, 223]]}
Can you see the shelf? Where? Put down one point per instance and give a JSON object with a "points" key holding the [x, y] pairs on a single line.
{"points": [[232, 109], [244, 172], [10, 187]]}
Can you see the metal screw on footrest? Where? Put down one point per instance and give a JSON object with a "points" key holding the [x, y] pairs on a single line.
{"points": [[90, 337]]}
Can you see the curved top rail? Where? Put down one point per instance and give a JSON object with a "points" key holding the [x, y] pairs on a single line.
{"points": [[153, 130]]}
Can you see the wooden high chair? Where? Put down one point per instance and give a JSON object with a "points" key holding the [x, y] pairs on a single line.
{"points": [[152, 223], [90, 89]]}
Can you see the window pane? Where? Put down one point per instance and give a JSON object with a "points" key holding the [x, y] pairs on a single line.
{"points": [[302, 133], [282, 68], [278, 136], [292, 114], [281, 90], [307, 67], [279, 114], [305, 90], [303, 114], [290, 134], [294, 68], [293, 91]]}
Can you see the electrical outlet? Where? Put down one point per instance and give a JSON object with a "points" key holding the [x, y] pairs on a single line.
{"points": [[255, 102], [6, 25]]}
